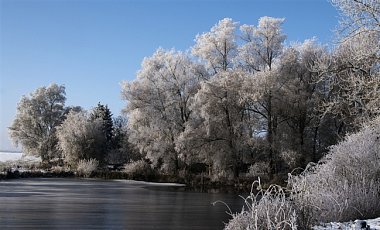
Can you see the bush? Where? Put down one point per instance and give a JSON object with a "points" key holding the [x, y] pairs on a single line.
{"points": [[291, 158], [60, 169], [138, 169], [344, 185], [6, 166], [222, 175], [267, 209], [258, 169], [86, 167]]}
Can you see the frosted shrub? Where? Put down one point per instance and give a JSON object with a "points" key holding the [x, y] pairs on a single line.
{"points": [[60, 169], [267, 209], [223, 175], [167, 168], [5, 166], [86, 167], [138, 168], [291, 158], [258, 169], [344, 185]]}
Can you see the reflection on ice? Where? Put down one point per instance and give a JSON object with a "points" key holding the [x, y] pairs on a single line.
{"points": [[88, 204]]}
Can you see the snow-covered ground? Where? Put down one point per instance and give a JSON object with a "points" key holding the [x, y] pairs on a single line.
{"points": [[18, 158], [7, 156], [372, 224]]}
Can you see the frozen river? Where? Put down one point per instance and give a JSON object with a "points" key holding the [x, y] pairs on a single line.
{"points": [[95, 204]]}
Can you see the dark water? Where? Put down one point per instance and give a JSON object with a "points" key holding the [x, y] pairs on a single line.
{"points": [[94, 204]]}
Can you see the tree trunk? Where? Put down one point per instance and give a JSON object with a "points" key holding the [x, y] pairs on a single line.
{"points": [[315, 144], [270, 128]]}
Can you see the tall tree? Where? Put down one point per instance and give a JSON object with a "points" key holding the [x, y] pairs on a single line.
{"points": [[301, 96], [351, 73], [104, 115], [218, 133], [36, 120], [217, 47], [122, 151], [158, 104], [358, 17], [264, 44]]}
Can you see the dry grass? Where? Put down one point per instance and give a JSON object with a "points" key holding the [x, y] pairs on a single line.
{"points": [[265, 209]]}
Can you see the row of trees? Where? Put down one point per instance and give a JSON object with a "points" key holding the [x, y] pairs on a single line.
{"points": [[344, 185], [242, 96], [46, 128]]}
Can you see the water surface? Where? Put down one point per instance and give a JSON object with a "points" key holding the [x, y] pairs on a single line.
{"points": [[96, 204]]}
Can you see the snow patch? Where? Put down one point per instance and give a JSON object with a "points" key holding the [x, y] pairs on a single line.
{"points": [[9, 156], [372, 224]]}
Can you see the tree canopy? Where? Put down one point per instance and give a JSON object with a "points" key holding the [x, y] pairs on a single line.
{"points": [[37, 118]]}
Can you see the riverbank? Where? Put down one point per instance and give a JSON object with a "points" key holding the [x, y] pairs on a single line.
{"points": [[199, 183], [35, 174]]}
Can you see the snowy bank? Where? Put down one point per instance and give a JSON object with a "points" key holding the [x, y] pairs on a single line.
{"points": [[372, 224], [9, 156]]}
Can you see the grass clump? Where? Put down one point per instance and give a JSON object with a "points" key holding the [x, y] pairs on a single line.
{"points": [[265, 209], [139, 170]]}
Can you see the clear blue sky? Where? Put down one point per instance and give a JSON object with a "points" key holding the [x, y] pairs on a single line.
{"points": [[90, 46]]}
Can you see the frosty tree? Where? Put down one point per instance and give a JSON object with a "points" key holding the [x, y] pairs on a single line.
{"points": [[79, 138], [358, 16], [218, 134], [351, 73], [299, 99], [217, 47], [36, 120], [264, 44], [158, 104], [250, 95]]}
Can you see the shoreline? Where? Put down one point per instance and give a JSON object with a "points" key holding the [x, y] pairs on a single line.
{"points": [[193, 183]]}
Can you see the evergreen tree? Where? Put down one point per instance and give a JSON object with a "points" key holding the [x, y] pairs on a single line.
{"points": [[103, 113]]}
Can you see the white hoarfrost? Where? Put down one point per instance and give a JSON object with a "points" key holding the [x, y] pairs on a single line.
{"points": [[159, 104], [5, 156], [218, 46], [372, 224]]}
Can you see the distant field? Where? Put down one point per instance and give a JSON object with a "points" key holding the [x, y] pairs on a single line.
{"points": [[8, 156]]}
